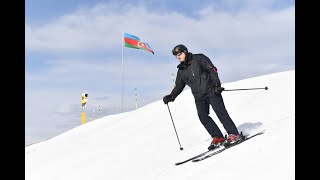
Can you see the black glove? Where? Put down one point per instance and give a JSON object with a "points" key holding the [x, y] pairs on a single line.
{"points": [[168, 98], [218, 90]]}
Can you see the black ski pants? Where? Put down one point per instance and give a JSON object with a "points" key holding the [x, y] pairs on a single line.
{"points": [[217, 104]]}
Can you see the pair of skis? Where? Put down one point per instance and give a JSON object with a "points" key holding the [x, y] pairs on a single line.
{"points": [[218, 150]]}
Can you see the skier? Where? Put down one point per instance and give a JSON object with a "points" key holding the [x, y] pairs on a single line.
{"points": [[198, 72]]}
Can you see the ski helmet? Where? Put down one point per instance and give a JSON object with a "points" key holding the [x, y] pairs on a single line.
{"points": [[179, 48]]}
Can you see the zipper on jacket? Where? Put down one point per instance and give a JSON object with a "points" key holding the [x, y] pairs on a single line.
{"points": [[192, 72]]}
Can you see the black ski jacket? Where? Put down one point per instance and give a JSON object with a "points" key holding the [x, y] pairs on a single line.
{"points": [[198, 72]]}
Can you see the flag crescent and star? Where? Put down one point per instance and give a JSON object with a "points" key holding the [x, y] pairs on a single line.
{"points": [[140, 44]]}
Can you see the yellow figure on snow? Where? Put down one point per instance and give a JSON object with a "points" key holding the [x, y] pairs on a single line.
{"points": [[83, 101]]}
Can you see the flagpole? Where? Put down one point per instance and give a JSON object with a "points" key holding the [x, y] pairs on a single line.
{"points": [[122, 70]]}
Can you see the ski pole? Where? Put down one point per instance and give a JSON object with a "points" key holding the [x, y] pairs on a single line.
{"points": [[174, 127], [266, 88]]}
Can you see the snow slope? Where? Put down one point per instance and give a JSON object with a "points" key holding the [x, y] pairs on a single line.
{"points": [[142, 144]]}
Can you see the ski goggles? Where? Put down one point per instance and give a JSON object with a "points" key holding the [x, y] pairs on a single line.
{"points": [[176, 53]]}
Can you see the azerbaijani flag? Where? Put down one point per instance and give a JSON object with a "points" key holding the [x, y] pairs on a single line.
{"points": [[131, 41]]}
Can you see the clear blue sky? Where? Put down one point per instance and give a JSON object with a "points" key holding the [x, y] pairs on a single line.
{"points": [[75, 46]]}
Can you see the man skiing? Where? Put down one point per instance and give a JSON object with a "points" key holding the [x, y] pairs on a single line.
{"points": [[198, 72]]}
